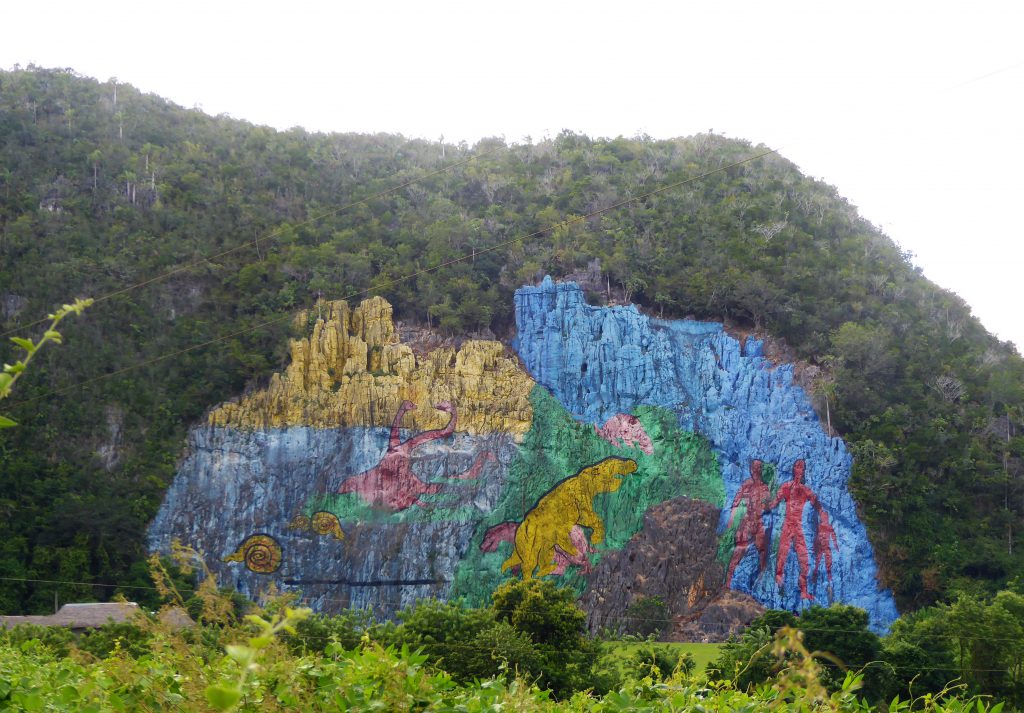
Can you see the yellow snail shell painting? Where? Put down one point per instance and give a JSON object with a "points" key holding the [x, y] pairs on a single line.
{"points": [[260, 553], [327, 523]]}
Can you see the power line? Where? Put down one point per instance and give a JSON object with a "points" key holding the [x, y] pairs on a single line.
{"points": [[86, 584], [269, 236], [404, 278]]}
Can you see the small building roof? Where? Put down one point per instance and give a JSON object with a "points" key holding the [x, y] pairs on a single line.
{"points": [[79, 616]]}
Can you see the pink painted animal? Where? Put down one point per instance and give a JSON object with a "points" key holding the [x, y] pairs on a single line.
{"points": [[391, 483], [506, 532], [626, 428]]}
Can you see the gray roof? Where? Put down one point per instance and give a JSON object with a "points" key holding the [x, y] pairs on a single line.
{"points": [[78, 616]]}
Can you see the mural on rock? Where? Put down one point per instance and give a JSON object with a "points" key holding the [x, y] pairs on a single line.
{"points": [[598, 362], [559, 448], [630, 457], [625, 429], [322, 523], [391, 483], [259, 553], [751, 502], [796, 496], [565, 509]]}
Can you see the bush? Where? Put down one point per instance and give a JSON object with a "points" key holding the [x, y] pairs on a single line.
{"points": [[124, 636], [659, 662], [346, 629], [554, 623], [54, 639], [446, 632], [647, 616]]}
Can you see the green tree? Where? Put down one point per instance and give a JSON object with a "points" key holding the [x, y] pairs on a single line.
{"points": [[466, 642], [746, 661], [918, 654], [647, 616], [550, 617], [841, 631]]}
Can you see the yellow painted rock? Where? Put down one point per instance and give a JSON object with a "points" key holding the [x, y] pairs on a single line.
{"points": [[351, 370]]}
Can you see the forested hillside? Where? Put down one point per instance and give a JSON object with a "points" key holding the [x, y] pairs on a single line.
{"points": [[103, 188]]}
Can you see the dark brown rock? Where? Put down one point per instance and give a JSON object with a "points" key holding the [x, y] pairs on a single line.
{"points": [[673, 557], [728, 614]]}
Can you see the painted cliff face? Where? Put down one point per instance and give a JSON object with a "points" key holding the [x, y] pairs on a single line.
{"points": [[789, 535], [631, 457]]}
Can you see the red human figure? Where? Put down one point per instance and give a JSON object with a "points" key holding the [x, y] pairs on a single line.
{"points": [[391, 483], [823, 540], [751, 532], [796, 495]]}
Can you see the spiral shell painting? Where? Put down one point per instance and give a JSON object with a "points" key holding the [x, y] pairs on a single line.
{"points": [[299, 522], [322, 523], [260, 553], [326, 523]]}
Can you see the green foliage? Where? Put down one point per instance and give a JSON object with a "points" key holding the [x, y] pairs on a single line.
{"points": [[660, 662], [226, 695], [246, 666], [745, 662], [838, 636], [841, 631], [550, 617], [346, 629], [56, 639], [647, 616], [124, 638], [467, 643], [974, 645]]}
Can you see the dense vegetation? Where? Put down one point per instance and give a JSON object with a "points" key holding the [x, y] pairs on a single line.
{"points": [[527, 651], [102, 187], [975, 642]]}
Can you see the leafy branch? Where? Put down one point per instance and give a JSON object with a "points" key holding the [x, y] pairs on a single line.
{"points": [[13, 372], [226, 696]]}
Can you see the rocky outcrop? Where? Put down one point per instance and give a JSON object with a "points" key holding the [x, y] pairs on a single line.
{"points": [[672, 557], [352, 371], [727, 615], [602, 361]]}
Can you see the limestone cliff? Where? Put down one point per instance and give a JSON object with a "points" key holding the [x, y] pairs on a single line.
{"points": [[369, 475], [352, 371]]}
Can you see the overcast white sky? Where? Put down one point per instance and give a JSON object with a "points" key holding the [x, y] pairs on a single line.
{"points": [[913, 110]]}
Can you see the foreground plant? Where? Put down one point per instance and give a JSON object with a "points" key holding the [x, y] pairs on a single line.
{"points": [[13, 372]]}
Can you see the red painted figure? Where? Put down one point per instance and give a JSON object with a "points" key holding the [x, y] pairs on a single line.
{"points": [[796, 495], [391, 483], [751, 532], [823, 540]]}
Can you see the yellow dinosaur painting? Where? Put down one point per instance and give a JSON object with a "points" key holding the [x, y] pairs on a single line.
{"points": [[549, 523]]}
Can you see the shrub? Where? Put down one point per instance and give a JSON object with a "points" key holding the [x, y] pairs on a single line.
{"points": [[646, 617]]}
